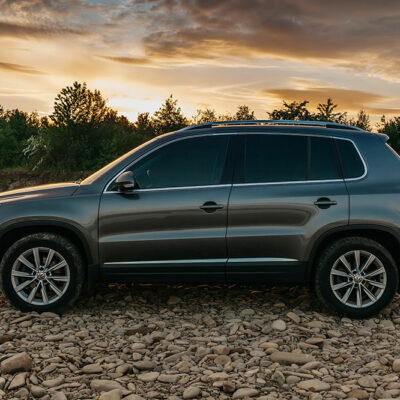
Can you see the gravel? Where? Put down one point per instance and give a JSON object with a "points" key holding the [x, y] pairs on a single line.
{"points": [[198, 342]]}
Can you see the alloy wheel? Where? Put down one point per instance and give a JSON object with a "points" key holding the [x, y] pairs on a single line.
{"points": [[358, 278], [40, 276]]}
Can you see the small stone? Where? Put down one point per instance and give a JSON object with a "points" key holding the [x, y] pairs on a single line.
{"points": [[314, 385], [228, 386], [22, 393], [358, 394], [18, 362], [18, 381], [38, 391], [144, 365], [58, 396], [222, 359], [396, 365], [191, 392], [92, 369], [278, 377], [209, 321], [221, 350], [279, 325], [294, 317], [173, 300], [105, 385], [168, 378], [292, 379], [245, 392], [367, 381], [114, 394], [283, 357], [148, 376], [50, 383]]}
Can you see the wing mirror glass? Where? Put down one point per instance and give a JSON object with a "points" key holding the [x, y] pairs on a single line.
{"points": [[125, 182]]}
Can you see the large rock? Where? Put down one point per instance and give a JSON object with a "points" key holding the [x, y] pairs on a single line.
{"points": [[191, 392], [284, 357], [18, 362]]}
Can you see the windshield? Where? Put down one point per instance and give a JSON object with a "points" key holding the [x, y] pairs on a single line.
{"points": [[90, 179]]}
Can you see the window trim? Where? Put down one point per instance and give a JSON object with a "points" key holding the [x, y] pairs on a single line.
{"points": [[339, 161], [229, 154], [107, 186]]}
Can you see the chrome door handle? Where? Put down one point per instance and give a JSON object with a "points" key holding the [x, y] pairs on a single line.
{"points": [[324, 202], [211, 206]]}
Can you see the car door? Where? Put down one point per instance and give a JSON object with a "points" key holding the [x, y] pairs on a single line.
{"points": [[172, 226], [288, 190]]}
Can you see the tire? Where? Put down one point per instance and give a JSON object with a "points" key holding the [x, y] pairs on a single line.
{"points": [[53, 287], [337, 292]]}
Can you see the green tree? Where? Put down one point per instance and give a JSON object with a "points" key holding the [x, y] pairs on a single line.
{"points": [[77, 105], [169, 117], [326, 112], [204, 116], [144, 125], [291, 111], [362, 121], [16, 127], [244, 114], [391, 128], [83, 133]]}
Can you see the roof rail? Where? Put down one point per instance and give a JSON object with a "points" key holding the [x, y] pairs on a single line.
{"points": [[323, 124]]}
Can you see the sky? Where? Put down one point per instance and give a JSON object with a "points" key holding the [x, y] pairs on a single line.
{"points": [[207, 53]]}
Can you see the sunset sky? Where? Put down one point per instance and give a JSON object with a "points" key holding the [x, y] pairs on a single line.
{"points": [[207, 53]]}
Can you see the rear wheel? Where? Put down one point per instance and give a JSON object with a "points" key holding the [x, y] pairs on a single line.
{"points": [[356, 276], [42, 272]]}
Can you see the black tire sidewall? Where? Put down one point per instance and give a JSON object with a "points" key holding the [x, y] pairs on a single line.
{"points": [[325, 265], [54, 242]]}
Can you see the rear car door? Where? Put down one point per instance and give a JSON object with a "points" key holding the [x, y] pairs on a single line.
{"points": [[173, 225], [288, 189]]}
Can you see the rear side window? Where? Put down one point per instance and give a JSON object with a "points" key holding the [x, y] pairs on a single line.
{"points": [[352, 164], [275, 158], [323, 160], [289, 158]]}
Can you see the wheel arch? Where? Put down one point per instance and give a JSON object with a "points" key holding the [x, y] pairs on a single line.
{"points": [[19, 230], [386, 236]]}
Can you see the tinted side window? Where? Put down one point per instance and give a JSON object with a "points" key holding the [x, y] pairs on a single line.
{"points": [[351, 161], [275, 158], [323, 160], [187, 162]]}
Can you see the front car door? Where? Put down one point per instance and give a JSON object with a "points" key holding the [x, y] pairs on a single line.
{"points": [[173, 225], [288, 189]]}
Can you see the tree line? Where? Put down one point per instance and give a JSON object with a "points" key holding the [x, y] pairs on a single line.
{"points": [[83, 133]]}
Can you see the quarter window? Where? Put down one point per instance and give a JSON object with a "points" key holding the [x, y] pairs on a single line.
{"points": [[187, 162], [352, 164]]}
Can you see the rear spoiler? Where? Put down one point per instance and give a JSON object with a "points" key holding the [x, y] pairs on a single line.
{"points": [[383, 137]]}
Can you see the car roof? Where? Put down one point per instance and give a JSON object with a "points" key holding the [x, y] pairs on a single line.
{"points": [[318, 128]]}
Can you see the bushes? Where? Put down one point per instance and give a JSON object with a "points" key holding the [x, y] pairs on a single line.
{"points": [[83, 133]]}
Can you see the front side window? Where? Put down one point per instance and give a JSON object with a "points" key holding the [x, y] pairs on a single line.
{"points": [[187, 162]]}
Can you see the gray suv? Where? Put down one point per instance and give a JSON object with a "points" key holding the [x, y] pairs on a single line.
{"points": [[239, 202]]}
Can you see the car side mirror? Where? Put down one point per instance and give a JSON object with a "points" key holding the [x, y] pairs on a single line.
{"points": [[125, 182]]}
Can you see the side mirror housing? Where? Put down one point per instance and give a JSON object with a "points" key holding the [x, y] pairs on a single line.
{"points": [[125, 182]]}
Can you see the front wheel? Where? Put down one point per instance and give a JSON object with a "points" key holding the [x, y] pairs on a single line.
{"points": [[42, 272], [356, 276]]}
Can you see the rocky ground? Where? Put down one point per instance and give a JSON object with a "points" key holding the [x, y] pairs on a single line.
{"points": [[205, 342]]}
